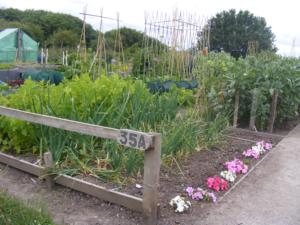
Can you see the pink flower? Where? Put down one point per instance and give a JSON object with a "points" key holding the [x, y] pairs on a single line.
{"points": [[210, 182], [197, 196], [251, 153], [224, 185], [255, 154], [248, 152], [190, 191], [258, 149], [212, 196], [264, 145], [268, 146], [237, 166], [216, 183], [245, 169]]}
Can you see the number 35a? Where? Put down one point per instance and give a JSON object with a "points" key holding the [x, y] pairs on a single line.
{"points": [[133, 140]]}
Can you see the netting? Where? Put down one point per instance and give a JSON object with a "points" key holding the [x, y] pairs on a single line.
{"points": [[165, 86], [16, 45], [51, 76]]}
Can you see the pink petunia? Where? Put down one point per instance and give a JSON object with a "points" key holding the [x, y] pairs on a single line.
{"points": [[224, 185], [197, 196], [268, 146], [189, 191], [216, 183], [236, 165], [212, 196], [245, 169], [210, 182]]}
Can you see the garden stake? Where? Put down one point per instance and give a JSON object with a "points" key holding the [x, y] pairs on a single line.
{"points": [[48, 160], [236, 108], [273, 111]]}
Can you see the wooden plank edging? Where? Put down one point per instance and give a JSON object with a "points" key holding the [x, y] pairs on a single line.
{"points": [[116, 197], [22, 165], [65, 124], [257, 132], [100, 192]]}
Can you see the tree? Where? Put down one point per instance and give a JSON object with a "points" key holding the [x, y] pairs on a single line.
{"points": [[64, 38], [129, 38], [32, 30], [43, 24], [233, 31]]}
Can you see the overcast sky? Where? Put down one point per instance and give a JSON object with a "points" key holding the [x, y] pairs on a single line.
{"points": [[282, 16]]}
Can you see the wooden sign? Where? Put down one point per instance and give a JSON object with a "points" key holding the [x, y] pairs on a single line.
{"points": [[134, 139]]}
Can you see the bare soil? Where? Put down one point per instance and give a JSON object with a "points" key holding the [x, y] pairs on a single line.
{"points": [[71, 207]]}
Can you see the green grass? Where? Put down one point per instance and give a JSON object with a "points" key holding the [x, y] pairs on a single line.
{"points": [[15, 212]]}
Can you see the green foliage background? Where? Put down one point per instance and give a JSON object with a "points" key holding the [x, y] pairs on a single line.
{"points": [[232, 30]]}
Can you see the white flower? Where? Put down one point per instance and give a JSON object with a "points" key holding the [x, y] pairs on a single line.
{"points": [[180, 204], [228, 175], [138, 186], [259, 147]]}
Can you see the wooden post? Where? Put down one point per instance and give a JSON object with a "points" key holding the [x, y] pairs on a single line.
{"points": [[236, 108], [151, 181], [253, 109], [46, 57], [273, 111], [42, 56], [63, 58], [66, 58], [48, 160], [20, 46]]}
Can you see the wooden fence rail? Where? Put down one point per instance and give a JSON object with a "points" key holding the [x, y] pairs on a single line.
{"points": [[150, 143]]}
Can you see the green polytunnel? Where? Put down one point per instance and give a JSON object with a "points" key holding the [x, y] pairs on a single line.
{"points": [[16, 45]]}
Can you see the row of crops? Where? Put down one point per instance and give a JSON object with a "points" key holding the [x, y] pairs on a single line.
{"points": [[189, 120], [255, 79], [108, 101]]}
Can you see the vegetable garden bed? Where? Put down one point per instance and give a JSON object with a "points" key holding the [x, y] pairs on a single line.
{"points": [[150, 143], [193, 172]]}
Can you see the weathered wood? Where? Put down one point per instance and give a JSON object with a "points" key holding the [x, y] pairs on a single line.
{"points": [[69, 125], [253, 109], [151, 182], [273, 111], [119, 198], [22, 165], [241, 139], [258, 132], [48, 160], [116, 197], [236, 108]]}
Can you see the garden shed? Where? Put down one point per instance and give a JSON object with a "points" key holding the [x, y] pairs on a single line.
{"points": [[16, 45]]}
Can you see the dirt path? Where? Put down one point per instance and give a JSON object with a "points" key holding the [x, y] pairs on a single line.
{"points": [[66, 206]]}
